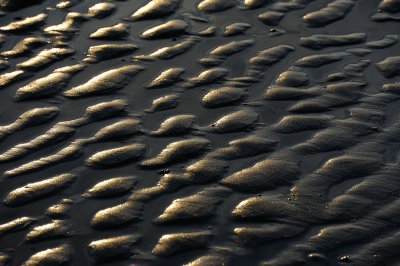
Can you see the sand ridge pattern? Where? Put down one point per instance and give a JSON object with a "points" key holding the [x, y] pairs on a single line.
{"points": [[207, 132]]}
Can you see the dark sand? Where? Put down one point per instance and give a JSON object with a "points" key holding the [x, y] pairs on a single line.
{"points": [[215, 132]]}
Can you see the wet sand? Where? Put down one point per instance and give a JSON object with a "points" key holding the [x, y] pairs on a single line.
{"points": [[214, 132]]}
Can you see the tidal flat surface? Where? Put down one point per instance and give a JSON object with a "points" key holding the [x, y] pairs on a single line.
{"points": [[212, 132]]}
